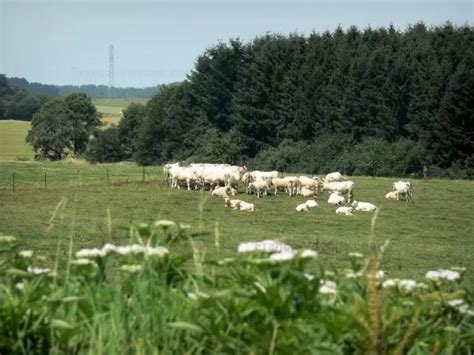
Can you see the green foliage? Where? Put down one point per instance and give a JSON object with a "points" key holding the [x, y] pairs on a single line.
{"points": [[169, 128], [147, 298], [16, 103], [51, 130], [105, 146], [344, 93], [102, 91], [129, 125], [62, 126]]}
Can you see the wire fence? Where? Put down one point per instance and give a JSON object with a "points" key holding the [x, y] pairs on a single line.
{"points": [[16, 177]]}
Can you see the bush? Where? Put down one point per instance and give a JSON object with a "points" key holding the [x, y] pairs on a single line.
{"points": [[105, 146]]}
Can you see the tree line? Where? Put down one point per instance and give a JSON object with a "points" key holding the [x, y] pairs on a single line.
{"points": [[99, 91], [370, 102], [17, 103]]}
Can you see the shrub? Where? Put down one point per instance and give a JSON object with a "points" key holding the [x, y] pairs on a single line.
{"points": [[105, 146]]}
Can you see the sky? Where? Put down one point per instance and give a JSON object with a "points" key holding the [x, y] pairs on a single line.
{"points": [[67, 42]]}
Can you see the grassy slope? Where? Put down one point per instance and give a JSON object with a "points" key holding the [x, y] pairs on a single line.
{"points": [[436, 231], [12, 140]]}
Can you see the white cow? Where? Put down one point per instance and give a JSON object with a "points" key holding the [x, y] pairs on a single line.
{"points": [[234, 204], [309, 183], [260, 187], [305, 192], [336, 176], [392, 195], [245, 206], [403, 190], [343, 187], [293, 184], [224, 191], [335, 198], [304, 207], [345, 210], [181, 175], [364, 206]]}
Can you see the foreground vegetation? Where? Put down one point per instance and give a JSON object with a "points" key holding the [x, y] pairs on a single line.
{"points": [[150, 296], [79, 202]]}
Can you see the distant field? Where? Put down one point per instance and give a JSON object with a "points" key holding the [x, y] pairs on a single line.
{"points": [[13, 132], [111, 109], [12, 140], [434, 232]]}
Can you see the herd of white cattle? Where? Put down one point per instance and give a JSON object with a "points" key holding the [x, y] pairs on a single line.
{"points": [[223, 180]]}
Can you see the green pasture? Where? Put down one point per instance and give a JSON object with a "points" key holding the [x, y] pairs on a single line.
{"points": [[12, 140], [111, 109], [13, 133], [436, 231]]}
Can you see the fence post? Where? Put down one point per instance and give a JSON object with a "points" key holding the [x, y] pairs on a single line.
{"points": [[108, 179], [13, 181], [45, 180], [143, 174]]}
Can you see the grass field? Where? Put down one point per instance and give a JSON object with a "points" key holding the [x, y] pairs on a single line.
{"points": [[12, 140], [434, 232], [13, 132], [111, 109]]}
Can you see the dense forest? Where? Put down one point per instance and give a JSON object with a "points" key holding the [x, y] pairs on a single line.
{"points": [[372, 102], [91, 90], [17, 103]]}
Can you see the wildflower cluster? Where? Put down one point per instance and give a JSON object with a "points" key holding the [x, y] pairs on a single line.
{"points": [[134, 249], [279, 251]]}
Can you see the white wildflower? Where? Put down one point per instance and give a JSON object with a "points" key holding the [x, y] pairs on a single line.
{"points": [[353, 275], [268, 246], [283, 256], [407, 285], [38, 270], [196, 295], [450, 275], [443, 274], [165, 223], [7, 239], [90, 253], [422, 285], [26, 253], [456, 303], [20, 286], [328, 287], [108, 248], [156, 251], [464, 309], [356, 255], [82, 262], [137, 249], [122, 250], [309, 253], [432, 275], [389, 283], [309, 277], [131, 268], [379, 274]]}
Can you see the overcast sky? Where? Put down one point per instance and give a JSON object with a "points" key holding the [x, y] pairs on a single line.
{"points": [[67, 42]]}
